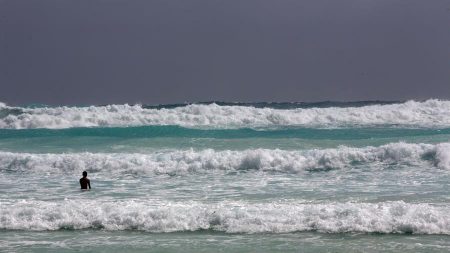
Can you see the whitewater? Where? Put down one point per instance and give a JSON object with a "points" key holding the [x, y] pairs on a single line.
{"points": [[429, 113], [267, 177]]}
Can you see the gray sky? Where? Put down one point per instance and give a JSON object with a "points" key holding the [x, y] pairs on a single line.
{"points": [[167, 51]]}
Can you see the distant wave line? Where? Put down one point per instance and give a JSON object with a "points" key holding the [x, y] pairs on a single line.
{"points": [[428, 114]]}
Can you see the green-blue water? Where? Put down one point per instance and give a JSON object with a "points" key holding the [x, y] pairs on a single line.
{"points": [[264, 177]]}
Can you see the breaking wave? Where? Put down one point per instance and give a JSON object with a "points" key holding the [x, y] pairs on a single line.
{"points": [[430, 113], [186, 161], [230, 217]]}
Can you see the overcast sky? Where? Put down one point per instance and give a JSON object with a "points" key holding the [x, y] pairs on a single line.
{"points": [[169, 51]]}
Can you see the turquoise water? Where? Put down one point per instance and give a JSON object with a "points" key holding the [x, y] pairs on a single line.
{"points": [[265, 177], [135, 241]]}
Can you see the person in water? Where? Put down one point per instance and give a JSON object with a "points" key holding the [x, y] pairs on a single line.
{"points": [[85, 182]]}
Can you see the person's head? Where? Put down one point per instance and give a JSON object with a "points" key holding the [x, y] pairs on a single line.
{"points": [[84, 174]]}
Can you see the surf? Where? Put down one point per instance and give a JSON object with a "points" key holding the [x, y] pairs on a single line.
{"points": [[395, 217], [423, 114], [201, 161]]}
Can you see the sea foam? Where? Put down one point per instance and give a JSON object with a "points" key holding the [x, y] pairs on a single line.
{"points": [[430, 113], [227, 216], [186, 161]]}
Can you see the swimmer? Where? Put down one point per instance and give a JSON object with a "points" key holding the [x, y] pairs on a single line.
{"points": [[85, 182]]}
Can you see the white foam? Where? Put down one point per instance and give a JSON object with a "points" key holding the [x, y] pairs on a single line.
{"points": [[231, 217], [431, 113], [186, 161]]}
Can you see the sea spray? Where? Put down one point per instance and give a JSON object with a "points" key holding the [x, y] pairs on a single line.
{"points": [[186, 161], [226, 216], [430, 113]]}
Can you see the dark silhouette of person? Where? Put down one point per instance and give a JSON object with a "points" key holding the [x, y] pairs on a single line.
{"points": [[85, 182]]}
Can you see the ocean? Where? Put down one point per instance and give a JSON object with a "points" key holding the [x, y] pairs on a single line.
{"points": [[226, 177]]}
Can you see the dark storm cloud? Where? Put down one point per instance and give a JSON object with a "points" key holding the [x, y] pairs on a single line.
{"points": [[79, 52]]}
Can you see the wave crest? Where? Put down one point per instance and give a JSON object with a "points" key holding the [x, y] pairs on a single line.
{"points": [[230, 217], [430, 113], [186, 161]]}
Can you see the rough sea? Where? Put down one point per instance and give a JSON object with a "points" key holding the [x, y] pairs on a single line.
{"points": [[226, 177]]}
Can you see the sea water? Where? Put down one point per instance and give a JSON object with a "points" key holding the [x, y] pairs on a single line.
{"points": [[227, 177]]}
